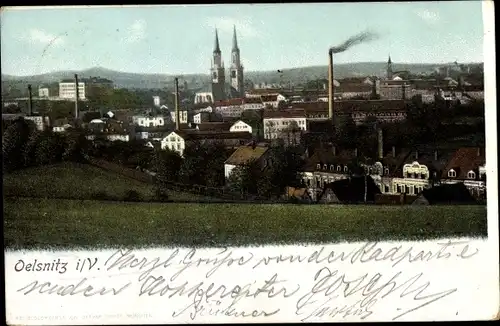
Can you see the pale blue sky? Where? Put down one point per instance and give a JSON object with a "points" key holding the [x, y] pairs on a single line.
{"points": [[179, 39]]}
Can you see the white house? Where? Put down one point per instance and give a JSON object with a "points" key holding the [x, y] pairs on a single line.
{"points": [[240, 125], [243, 155], [149, 121], [174, 142], [231, 108], [40, 122], [201, 117], [203, 97], [67, 90], [43, 92], [272, 100], [276, 123], [182, 114]]}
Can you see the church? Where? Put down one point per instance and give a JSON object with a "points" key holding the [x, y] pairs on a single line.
{"points": [[219, 89]]}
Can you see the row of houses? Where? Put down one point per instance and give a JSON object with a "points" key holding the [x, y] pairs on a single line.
{"points": [[405, 172]]}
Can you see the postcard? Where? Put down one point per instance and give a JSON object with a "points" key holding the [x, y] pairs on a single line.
{"points": [[248, 163]]}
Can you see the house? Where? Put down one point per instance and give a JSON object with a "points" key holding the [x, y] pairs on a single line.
{"points": [[41, 122], [446, 194], [467, 166], [421, 169], [110, 129], [214, 126], [351, 190], [245, 154], [179, 139], [326, 165], [183, 115], [61, 125], [153, 144], [299, 195], [241, 125], [203, 97], [254, 103], [201, 117], [272, 100], [149, 120], [286, 125]]}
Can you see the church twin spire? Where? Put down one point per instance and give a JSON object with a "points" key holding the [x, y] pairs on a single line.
{"points": [[235, 41]]}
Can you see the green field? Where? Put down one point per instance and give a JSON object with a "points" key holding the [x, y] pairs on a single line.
{"points": [[43, 223], [76, 181]]}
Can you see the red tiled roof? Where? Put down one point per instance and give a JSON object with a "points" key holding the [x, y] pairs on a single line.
{"points": [[464, 160], [200, 135], [299, 113], [353, 105], [234, 101], [221, 126], [253, 100], [266, 91], [353, 88], [269, 98]]}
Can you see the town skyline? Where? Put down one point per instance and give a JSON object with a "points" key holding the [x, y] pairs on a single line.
{"points": [[426, 34]]}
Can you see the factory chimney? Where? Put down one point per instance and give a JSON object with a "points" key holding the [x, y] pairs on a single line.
{"points": [[380, 144], [30, 101], [77, 95], [393, 151], [177, 115], [330, 87]]}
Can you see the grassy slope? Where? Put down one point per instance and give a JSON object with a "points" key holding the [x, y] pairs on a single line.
{"points": [[75, 181], [73, 223]]}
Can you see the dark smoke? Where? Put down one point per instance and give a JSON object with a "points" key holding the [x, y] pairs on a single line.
{"points": [[354, 40]]}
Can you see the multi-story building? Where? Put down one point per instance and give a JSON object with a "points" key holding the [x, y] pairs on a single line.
{"points": [[183, 115], [110, 129], [285, 125], [467, 166], [150, 121], [67, 89], [43, 92]]}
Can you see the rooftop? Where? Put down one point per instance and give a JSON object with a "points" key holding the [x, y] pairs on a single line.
{"points": [[245, 154]]}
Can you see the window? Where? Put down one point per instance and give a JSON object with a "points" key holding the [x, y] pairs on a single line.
{"points": [[339, 168], [325, 167], [471, 175], [386, 171], [331, 167], [318, 166], [451, 173], [345, 169]]}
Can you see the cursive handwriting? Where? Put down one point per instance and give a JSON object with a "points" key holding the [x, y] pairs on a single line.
{"points": [[332, 284], [202, 295], [370, 252], [71, 289]]}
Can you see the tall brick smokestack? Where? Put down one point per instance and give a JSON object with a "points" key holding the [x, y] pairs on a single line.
{"points": [[380, 144], [330, 86], [177, 115], [30, 101], [77, 95]]}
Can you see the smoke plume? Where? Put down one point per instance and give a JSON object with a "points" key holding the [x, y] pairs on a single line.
{"points": [[354, 40]]}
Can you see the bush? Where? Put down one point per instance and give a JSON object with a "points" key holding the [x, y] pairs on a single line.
{"points": [[132, 195], [160, 195], [99, 195]]}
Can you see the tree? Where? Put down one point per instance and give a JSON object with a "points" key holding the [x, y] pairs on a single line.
{"points": [[76, 147], [166, 164], [14, 140], [356, 169], [50, 148]]}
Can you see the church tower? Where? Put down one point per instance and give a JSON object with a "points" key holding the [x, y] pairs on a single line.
{"points": [[236, 70], [389, 68], [217, 72]]}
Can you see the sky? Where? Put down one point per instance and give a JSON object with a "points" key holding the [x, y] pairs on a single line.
{"points": [[180, 39]]}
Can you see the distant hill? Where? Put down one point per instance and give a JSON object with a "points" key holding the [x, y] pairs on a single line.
{"points": [[195, 81]]}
